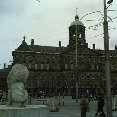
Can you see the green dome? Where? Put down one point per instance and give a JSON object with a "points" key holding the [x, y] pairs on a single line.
{"points": [[77, 22]]}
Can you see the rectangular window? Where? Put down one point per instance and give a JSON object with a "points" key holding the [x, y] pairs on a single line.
{"points": [[66, 66], [112, 68], [72, 66], [92, 66], [42, 66], [36, 66], [29, 65], [58, 67], [47, 66]]}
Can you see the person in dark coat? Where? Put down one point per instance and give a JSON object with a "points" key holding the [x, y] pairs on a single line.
{"points": [[84, 106], [1, 95], [101, 104]]}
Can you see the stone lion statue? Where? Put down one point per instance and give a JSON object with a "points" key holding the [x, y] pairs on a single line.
{"points": [[16, 80]]}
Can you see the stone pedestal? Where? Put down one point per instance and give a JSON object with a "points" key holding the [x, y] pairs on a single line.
{"points": [[28, 111]]}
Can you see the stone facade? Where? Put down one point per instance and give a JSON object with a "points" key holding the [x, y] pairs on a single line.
{"points": [[53, 69], [3, 79]]}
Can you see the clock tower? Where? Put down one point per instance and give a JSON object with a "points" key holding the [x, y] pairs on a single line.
{"points": [[76, 31]]}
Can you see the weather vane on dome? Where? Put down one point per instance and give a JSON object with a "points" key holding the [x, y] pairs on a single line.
{"points": [[76, 10], [24, 37], [76, 17]]}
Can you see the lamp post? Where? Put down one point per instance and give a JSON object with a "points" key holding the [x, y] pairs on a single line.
{"points": [[76, 64], [107, 61], [76, 58]]}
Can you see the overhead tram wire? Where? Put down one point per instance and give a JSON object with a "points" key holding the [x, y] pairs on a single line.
{"points": [[114, 17], [90, 14], [100, 24], [96, 25], [98, 35], [102, 18]]}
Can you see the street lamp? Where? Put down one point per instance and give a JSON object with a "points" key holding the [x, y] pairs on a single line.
{"points": [[76, 65], [110, 1], [76, 36], [107, 61]]}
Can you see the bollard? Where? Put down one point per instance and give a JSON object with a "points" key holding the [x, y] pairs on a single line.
{"points": [[83, 112], [63, 98], [59, 100]]}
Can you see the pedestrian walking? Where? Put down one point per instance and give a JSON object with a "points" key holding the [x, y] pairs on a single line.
{"points": [[84, 106], [101, 104], [1, 96]]}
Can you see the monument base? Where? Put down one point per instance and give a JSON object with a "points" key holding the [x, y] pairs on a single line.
{"points": [[28, 111]]}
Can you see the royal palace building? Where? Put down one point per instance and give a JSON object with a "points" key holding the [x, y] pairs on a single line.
{"points": [[55, 70]]}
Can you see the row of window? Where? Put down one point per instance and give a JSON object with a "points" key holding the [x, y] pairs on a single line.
{"points": [[113, 68], [66, 84], [42, 66], [66, 66], [82, 66]]}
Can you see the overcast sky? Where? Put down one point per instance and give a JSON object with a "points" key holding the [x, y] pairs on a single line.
{"points": [[48, 21]]}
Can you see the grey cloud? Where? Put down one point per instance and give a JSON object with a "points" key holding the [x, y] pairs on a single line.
{"points": [[42, 20], [10, 7]]}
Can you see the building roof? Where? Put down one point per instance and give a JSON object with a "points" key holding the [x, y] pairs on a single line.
{"points": [[51, 49], [4, 72], [112, 52], [24, 47], [48, 49], [38, 48], [77, 23]]}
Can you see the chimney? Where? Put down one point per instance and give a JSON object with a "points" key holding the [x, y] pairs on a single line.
{"points": [[93, 46], [32, 41], [4, 65], [60, 44], [115, 47], [87, 45]]}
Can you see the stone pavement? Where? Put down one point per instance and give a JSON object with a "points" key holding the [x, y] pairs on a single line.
{"points": [[70, 107], [67, 107]]}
